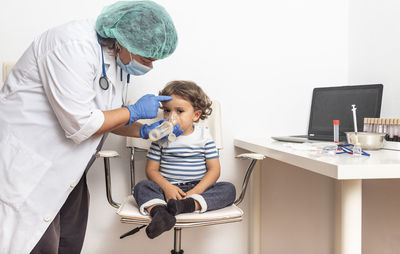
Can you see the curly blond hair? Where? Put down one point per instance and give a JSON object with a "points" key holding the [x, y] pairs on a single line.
{"points": [[191, 92]]}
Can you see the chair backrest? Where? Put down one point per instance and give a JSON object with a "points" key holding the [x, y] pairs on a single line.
{"points": [[7, 66], [213, 122]]}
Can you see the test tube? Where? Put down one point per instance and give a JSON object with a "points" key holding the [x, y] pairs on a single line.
{"points": [[389, 136], [396, 130], [365, 127], [370, 124], [374, 124], [380, 126], [336, 131], [385, 122], [385, 127]]}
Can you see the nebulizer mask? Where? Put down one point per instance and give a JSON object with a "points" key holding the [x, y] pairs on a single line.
{"points": [[165, 129]]}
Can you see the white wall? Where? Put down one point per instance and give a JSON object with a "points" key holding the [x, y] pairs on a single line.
{"points": [[261, 59], [374, 39]]}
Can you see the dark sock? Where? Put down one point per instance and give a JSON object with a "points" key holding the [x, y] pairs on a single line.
{"points": [[161, 221], [176, 207]]}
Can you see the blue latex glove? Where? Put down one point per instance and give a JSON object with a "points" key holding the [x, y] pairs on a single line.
{"points": [[146, 129], [146, 107], [177, 131]]}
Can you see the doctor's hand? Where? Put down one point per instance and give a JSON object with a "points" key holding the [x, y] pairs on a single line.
{"points": [[146, 107], [146, 129], [177, 131], [173, 192]]}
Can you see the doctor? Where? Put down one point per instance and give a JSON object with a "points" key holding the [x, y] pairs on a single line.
{"points": [[59, 100]]}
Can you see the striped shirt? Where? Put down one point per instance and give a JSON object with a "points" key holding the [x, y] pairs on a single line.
{"points": [[184, 160]]}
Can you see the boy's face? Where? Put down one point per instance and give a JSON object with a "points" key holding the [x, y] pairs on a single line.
{"points": [[183, 110]]}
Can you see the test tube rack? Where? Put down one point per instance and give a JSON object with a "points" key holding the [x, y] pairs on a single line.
{"points": [[389, 126]]}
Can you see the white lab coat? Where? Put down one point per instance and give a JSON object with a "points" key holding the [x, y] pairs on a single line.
{"points": [[50, 107]]}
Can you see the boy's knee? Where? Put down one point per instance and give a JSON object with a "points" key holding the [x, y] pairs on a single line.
{"points": [[140, 186], [229, 188], [232, 190]]}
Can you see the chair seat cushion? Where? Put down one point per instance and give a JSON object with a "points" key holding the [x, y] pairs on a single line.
{"points": [[129, 213]]}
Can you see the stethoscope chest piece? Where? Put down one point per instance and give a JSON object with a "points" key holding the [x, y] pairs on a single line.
{"points": [[103, 82]]}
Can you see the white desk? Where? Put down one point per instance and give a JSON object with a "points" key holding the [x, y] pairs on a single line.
{"points": [[348, 169]]}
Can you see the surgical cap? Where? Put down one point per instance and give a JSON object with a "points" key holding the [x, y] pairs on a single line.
{"points": [[143, 27]]}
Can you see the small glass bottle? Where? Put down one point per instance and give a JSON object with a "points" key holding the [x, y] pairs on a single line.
{"points": [[370, 125], [380, 126], [396, 129], [385, 124], [373, 125], [365, 126], [389, 135]]}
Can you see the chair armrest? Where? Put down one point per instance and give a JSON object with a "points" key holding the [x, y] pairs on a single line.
{"points": [[107, 155], [254, 158]]}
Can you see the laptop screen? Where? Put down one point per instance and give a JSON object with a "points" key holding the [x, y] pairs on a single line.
{"points": [[334, 103]]}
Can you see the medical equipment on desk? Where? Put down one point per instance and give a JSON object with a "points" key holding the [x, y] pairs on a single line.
{"points": [[332, 149], [336, 131], [368, 140], [389, 127], [337, 148], [346, 148], [357, 146], [342, 149], [165, 129]]}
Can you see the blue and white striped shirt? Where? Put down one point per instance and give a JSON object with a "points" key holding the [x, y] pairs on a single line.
{"points": [[184, 160]]}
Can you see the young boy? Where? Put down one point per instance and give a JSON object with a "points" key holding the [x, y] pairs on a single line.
{"points": [[182, 174]]}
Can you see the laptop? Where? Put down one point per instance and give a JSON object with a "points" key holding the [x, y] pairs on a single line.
{"points": [[334, 103]]}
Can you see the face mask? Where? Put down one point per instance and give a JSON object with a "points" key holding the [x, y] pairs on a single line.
{"points": [[133, 67]]}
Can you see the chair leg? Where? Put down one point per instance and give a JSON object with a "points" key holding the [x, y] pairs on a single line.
{"points": [[177, 241]]}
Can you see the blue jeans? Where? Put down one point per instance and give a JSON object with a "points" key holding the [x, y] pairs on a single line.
{"points": [[217, 196]]}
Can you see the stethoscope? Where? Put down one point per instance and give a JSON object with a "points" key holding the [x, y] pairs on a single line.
{"points": [[103, 81]]}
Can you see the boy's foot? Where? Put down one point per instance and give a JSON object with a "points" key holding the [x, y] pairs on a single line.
{"points": [[161, 221], [176, 207]]}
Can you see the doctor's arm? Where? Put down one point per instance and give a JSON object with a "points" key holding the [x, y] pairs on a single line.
{"points": [[115, 121], [145, 108]]}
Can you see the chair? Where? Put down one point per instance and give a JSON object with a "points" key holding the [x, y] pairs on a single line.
{"points": [[7, 66], [129, 211]]}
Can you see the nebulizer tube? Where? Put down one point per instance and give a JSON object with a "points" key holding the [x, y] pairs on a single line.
{"points": [[165, 129]]}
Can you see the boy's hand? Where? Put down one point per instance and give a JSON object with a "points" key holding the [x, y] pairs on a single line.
{"points": [[174, 192], [191, 192]]}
